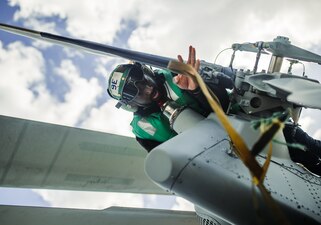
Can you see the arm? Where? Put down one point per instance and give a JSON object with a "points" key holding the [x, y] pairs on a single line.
{"points": [[193, 89], [220, 93]]}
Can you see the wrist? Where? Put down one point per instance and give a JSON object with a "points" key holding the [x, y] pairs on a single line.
{"points": [[196, 91]]}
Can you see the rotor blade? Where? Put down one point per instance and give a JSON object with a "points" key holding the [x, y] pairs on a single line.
{"points": [[42, 155], [308, 98], [299, 91], [113, 215], [291, 51], [92, 47]]}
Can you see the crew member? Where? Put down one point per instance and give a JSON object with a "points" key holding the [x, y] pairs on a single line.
{"points": [[144, 91]]}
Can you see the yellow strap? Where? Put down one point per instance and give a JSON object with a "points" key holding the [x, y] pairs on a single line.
{"points": [[266, 163], [240, 146], [258, 172]]}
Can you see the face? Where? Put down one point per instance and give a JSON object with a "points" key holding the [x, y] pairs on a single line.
{"points": [[147, 92]]}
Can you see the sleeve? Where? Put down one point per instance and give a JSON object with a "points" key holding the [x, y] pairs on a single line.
{"points": [[147, 144], [219, 91]]}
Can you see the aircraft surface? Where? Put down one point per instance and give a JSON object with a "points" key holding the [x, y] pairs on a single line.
{"points": [[207, 171]]}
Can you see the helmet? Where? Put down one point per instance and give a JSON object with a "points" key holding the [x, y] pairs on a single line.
{"points": [[127, 81]]}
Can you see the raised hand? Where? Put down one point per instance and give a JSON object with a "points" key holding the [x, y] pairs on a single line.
{"points": [[185, 82]]}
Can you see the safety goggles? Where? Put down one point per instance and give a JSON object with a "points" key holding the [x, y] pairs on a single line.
{"points": [[130, 90]]}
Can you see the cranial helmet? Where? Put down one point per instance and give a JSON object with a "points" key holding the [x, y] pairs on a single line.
{"points": [[122, 84]]}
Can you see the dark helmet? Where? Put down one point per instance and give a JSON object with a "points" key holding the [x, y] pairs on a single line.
{"points": [[128, 81]]}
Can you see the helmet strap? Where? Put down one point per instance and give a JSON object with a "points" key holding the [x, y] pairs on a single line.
{"points": [[118, 105]]}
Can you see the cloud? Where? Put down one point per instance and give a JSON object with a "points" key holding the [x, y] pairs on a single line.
{"points": [[167, 202], [182, 204], [21, 68], [108, 118], [90, 200], [95, 20], [103, 200], [82, 95], [23, 90], [310, 122], [306, 122], [317, 134], [19, 196], [168, 27]]}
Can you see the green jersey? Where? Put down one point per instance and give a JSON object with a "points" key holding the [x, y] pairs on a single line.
{"points": [[156, 126]]}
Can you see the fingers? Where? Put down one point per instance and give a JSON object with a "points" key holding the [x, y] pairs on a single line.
{"points": [[197, 65], [190, 49], [184, 82], [179, 81], [176, 79], [191, 56]]}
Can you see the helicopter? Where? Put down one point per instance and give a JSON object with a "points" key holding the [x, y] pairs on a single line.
{"points": [[207, 172]]}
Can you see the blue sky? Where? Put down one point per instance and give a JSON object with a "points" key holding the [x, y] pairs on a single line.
{"points": [[44, 82], [19, 196]]}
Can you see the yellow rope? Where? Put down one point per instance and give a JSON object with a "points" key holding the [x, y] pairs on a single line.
{"points": [[258, 172], [237, 140]]}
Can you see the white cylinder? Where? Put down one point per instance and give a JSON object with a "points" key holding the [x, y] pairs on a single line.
{"points": [[186, 119]]}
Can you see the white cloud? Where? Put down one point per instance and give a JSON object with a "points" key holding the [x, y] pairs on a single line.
{"points": [[306, 122], [82, 94], [90, 200], [310, 122], [30, 63], [109, 119], [96, 20], [170, 26], [40, 25], [21, 67], [103, 200], [317, 134], [182, 204], [23, 91]]}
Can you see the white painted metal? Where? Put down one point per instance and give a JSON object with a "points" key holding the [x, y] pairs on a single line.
{"points": [[205, 172], [18, 215], [41, 155]]}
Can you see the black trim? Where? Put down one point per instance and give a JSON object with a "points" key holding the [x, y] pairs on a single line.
{"points": [[153, 60]]}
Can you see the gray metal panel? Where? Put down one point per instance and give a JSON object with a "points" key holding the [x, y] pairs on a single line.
{"points": [[205, 172], [40, 155], [282, 47], [302, 92], [17, 215]]}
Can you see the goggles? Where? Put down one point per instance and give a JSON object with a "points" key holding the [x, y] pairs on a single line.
{"points": [[130, 90], [142, 75]]}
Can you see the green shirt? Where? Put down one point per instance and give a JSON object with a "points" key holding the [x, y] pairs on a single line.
{"points": [[156, 126]]}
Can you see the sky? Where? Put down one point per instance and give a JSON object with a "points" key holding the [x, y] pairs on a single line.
{"points": [[48, 83]]}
